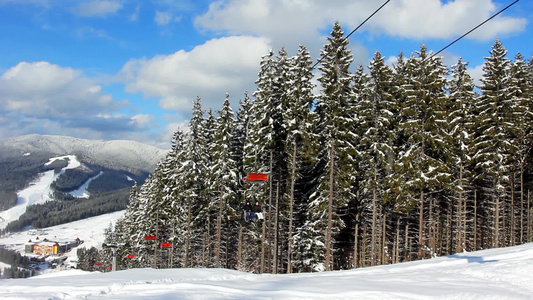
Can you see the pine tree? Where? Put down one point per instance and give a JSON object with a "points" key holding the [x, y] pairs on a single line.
{"points": [[299, 125], [492, 142], [376, 113], [335, 159], [420, 166], [521, 92], [461, 131], [226, 176], [194, 184]]}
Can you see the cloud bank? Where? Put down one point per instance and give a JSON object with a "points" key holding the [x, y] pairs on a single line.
{"points": [[210, 70], [45, 97]]}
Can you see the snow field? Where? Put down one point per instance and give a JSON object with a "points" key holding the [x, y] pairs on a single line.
{"points": [[504, 273]]}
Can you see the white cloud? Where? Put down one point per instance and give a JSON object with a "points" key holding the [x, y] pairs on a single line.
{"points": [[141, 119], [135, 15], [46, 90], [97, 8], [426, 19], [41, 97], [298, 21], [209, 70], [162, 18], [476, 73], [88, 31]]}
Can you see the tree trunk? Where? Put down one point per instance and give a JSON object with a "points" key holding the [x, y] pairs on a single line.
{"points": [[465, 217], [330, 209], [461, 216], [293, 181], [384, 258], [407, 242], [522, 202], [421, 227], [355, 244], [475, 220], [374, 221], [529, 221], [240, 263], [363, 251], [219, 231], [513, 225], [276, 233], [188, 239], [396, 257], [432, 234], [496, 241], [266, 222]]}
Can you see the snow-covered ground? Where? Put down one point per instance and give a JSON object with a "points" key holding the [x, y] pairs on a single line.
{"points": [[37, 193], [505, 273], [90, 231]]}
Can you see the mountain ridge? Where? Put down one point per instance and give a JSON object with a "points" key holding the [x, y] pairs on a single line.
{"points": [[24, 158], [122, 154]]}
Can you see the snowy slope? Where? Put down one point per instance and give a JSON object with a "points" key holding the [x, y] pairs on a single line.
{"points": [[505, 273], [38, 192], [90, 231]]}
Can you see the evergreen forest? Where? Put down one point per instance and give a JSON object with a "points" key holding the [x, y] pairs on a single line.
{"points": [[367, 165]]}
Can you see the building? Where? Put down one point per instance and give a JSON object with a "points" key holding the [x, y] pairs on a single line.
{"points": [[49, 247]]}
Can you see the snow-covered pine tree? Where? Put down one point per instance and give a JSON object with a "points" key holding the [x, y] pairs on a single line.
{"points": [[147, 221], [206, 217], [121, 233], [460, 111], [299, 126], [250, 239], [360, 209], [193, 181], [377, 111], [224, 186], [493, 144], [420, 167], [521, 92], [335, 164], [265, 149], [258, 143]]}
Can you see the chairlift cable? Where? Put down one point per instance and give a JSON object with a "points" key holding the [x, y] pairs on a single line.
{"points": [[352, 32], [470, 31]]}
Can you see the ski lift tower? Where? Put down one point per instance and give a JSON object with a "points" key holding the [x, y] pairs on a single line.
{"points": [[113, 248]]}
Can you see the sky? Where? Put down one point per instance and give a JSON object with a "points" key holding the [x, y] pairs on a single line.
{"points": [[131, 69]]}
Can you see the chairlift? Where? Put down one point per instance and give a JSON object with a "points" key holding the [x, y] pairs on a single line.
{"points": [[253, 212]]}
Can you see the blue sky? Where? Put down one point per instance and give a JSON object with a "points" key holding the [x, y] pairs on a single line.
{"points": [[130, 69]]}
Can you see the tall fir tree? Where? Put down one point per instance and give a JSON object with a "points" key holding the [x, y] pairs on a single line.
{"points": [[460, 114], [420, 166], [492, 142], [376, 111], [299, 124], [224, 186], [335, 162]]}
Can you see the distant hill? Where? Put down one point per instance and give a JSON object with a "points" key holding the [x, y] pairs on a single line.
{"points": [[119, 154], [107, 170]]}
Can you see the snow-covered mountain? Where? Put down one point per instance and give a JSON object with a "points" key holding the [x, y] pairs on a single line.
{"points": [[119, 154], [37, 168]]}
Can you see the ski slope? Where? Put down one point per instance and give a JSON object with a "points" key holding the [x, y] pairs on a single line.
{"points": [[504, 273], [38, 192]]}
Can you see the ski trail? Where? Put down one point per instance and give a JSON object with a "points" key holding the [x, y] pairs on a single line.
{"points": [[82, 191], [37, 192]]}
